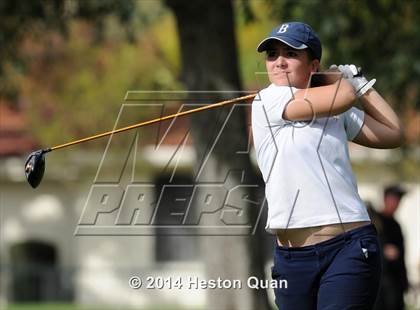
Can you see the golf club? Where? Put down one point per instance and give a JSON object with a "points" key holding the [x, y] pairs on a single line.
{"points": [[35, 163]]}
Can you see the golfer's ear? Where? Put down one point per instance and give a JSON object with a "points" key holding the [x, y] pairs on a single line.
{"points": [[315, 65]]}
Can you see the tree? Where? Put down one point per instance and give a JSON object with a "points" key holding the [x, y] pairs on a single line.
{"points": [[19, 17], [61, 58], [209, 62], [218, 72]]}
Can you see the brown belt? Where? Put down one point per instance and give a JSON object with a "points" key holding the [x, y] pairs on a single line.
{"points": [[298, 237]]}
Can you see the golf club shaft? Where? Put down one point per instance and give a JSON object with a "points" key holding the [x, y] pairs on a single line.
{"points": [[108, 133]]}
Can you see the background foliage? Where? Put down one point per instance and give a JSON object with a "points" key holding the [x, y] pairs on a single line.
{"points": [[67, 64]]}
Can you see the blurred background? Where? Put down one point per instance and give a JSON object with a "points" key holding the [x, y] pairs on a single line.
{"points": [[65, 69]]}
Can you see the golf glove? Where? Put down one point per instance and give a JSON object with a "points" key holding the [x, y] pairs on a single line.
{"points": [[352, 74]]}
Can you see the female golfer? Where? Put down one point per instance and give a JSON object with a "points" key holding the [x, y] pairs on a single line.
{"points": [[327, 250]]}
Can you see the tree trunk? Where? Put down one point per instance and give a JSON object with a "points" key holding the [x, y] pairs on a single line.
{"points": [[209, 62]]}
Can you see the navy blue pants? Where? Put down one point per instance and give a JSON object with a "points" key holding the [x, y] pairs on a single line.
{"points": [[342, 273]]}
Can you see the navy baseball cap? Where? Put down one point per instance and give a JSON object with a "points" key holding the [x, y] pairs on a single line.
{"points": [[295, 34]]}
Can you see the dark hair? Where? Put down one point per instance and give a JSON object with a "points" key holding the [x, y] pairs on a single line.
{"points": [[316, 79], [311, 54]]}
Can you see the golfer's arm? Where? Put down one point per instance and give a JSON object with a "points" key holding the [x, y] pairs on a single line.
{"points": [[381, 128], [322, 101]]}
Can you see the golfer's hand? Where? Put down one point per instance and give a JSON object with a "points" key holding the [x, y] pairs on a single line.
{"points": [[351, 73], [328, 77], [391, 252]]}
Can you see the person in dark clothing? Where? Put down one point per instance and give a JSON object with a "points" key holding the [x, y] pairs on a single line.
{"points": [[394, 282]]}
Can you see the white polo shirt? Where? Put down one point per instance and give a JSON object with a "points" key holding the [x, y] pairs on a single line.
{"points": [[305, 165]]}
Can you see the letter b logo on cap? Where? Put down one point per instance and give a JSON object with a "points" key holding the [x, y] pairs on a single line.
{"points": [[283, 28]]}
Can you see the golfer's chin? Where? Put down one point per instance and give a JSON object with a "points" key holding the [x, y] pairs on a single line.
{"points": [[281, 81]]}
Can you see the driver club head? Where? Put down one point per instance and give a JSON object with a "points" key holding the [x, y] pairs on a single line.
{"points": [[35, 167]]}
